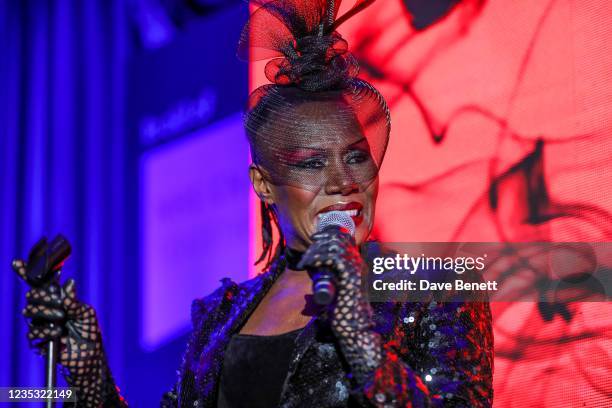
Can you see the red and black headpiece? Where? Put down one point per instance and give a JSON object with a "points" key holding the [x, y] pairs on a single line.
{"points": [[316, 123]]}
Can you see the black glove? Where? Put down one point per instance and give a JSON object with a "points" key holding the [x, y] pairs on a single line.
{"points": [[351, 314], [55, 313]]}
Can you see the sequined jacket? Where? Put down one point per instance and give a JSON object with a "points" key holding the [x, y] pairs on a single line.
{"points": [[434, 354]]}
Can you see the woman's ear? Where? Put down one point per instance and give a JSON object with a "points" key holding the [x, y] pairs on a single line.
{"points": [[260, 184]]}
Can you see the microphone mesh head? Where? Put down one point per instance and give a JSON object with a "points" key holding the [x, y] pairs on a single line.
{"points": [[336, 219]]}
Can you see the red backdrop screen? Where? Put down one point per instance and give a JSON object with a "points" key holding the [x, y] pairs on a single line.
{"points": [[501, 121]]}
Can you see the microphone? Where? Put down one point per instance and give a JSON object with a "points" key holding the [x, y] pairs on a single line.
{"points": [[323, 286], [46, 259]]}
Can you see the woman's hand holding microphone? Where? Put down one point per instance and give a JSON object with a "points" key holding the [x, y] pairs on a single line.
{"points": [[55, 313], [351, 314]]}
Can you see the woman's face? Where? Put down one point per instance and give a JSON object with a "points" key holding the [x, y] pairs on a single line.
{"points": [[325, 166], [298, 209]]}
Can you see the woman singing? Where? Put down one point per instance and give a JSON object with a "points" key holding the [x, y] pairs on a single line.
{"points": [[318, 135]]}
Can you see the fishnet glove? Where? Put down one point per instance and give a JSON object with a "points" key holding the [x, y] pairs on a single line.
{"points": [[351, 314], [54, 313]]}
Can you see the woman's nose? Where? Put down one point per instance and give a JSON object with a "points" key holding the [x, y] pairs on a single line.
{"points": [[340, 182]]}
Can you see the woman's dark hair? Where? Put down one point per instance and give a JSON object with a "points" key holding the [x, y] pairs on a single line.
{"points": [[269, 221]]}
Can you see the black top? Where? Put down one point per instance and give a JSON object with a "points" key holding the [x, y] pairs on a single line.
{"points": [[254, 370]]}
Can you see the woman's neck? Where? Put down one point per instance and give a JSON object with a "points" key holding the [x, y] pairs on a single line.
{"points": [[293, 258]]}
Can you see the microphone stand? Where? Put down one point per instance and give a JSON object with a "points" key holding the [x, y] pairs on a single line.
{"points": [[52, 353], [50, 371]]}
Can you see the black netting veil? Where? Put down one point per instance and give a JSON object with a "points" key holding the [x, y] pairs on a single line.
{"points": [[316, 123]]}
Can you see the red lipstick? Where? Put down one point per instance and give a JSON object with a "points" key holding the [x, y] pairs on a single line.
{"points": [[354, 208]]}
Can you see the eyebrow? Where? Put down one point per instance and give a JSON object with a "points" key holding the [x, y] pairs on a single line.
{"points": [[318, 149], [302, 152], [363, 139]]}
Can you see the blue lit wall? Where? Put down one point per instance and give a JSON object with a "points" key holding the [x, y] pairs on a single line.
{"points": [[189, 215], [194, 224], [122, 147]]}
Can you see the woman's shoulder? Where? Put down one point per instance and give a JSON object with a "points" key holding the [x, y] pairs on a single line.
{"points": [[227, 293]]}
